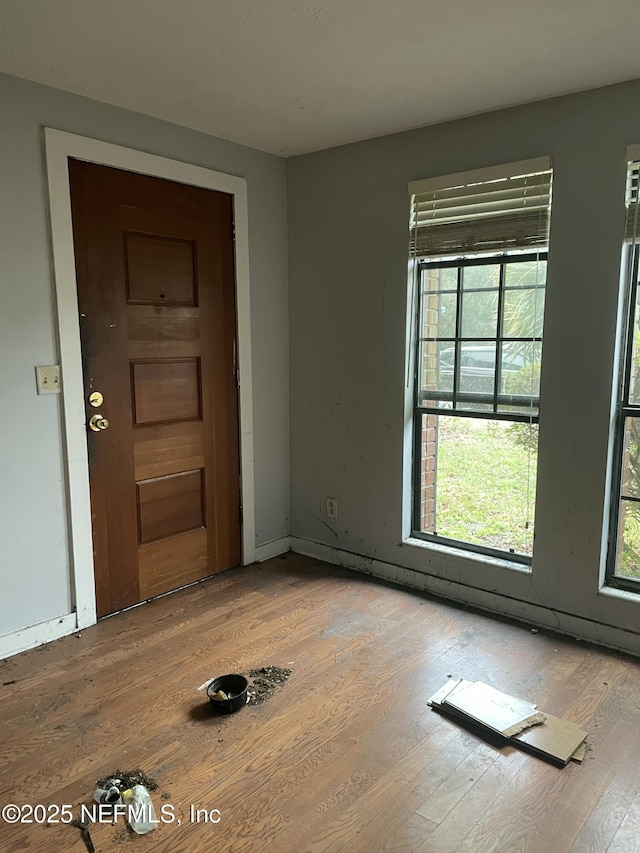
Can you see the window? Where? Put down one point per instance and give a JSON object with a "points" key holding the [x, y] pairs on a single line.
{"points": [[479, 263], [624, 540]]}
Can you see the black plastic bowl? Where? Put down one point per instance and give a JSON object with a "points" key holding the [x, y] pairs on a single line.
{"points": [[235, 686]]}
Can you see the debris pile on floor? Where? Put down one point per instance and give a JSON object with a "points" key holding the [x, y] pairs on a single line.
{"points": [[265, 681], [121, 792], [128, 778], [517, 721]]}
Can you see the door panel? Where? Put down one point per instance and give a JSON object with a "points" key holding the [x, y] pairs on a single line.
{"points": [[160, 271], [173, 563], [170, 505], [156, 295], [165, 390]]}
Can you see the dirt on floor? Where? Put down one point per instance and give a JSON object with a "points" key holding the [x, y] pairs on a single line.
{"points": [[125, 779], [264, 682]]}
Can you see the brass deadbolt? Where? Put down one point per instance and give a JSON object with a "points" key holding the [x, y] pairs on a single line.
{"points": [[96, 399]]}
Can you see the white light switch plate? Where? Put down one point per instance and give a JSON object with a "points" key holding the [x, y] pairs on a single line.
{"points": [[48, 379]]}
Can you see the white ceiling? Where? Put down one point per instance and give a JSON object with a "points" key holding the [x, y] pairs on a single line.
{"points": [[290, 77]]}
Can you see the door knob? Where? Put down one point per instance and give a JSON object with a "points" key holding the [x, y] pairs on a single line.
{"points": [[98, 423]]}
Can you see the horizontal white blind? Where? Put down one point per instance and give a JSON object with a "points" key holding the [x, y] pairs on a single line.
{"points": [[632, 231], [511, 212]]}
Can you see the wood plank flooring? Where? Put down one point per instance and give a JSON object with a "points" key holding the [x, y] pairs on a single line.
{"points": [[347, 756]]}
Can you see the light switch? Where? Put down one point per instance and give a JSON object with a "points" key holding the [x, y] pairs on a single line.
{"points": [[48, 379]]}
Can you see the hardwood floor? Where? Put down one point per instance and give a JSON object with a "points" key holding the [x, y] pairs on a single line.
{"points": [[347, 756]]}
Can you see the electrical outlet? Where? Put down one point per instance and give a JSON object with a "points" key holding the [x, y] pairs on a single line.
{"points": [[48, 379], [332, 507]]}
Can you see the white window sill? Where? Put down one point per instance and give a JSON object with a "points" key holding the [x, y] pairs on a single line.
{"points": [[620, 594], [471, 556]]}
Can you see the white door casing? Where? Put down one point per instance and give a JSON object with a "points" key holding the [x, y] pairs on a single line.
{"points": [[60, 146]]}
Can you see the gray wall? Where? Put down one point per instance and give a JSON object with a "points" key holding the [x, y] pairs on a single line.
{"points": [[34, 561], [348, 215]]}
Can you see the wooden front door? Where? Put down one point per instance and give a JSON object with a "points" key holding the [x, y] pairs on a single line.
{"points": [[156, 294]]}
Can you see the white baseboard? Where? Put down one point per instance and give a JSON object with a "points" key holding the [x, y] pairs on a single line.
{"points": [[532, 614], [36, 635], [272, 549]]}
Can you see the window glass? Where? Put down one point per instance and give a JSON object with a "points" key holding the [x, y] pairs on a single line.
{"points": [[479, 314], [477, 501], [438, 364], [628, 554], [526, 274], [478, 382], [634, 368], [523, 313], [440, 278], [477, 368], [520, 374], [481, 276], [439, 315]]}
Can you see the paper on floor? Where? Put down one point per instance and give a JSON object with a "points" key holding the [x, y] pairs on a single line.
{"points": [[558, 738], [515, 719], [497, 711]]}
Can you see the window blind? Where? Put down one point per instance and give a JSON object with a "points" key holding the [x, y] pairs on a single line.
{"points": [[482, 211], [632, 230]]}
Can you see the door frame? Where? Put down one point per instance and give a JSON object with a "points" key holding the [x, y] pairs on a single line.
{"points": [[59, 146]]}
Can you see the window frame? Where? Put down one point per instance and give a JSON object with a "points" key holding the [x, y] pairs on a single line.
{"points": [[623, 410], [419, 411]]}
